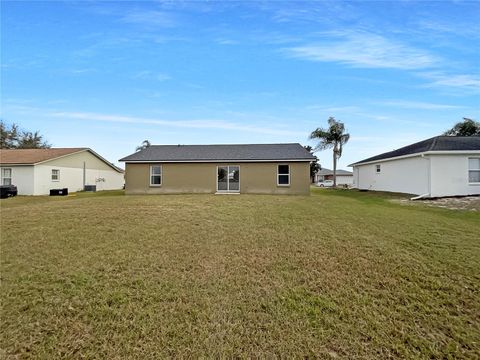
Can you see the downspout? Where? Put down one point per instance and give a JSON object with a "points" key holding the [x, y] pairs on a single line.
{"points": [[427, 195], [84, 175], [357, 172], [356, 176], [429, 181]]}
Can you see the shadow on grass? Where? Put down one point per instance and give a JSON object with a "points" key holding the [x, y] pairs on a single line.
{"points": [[364, 196], [82, 194], [33, 200], [392, 199]]}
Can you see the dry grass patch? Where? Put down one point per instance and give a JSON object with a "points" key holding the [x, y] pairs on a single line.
{"points": [[337, 274]]}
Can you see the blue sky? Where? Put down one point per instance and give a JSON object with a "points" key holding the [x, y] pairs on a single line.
{"points": [[108, 75]]}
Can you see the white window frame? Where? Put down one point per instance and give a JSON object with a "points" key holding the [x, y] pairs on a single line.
{"points": [[6, 177], [378, 168], [278, 175], [151, 174], [57, 175], [228, 181], [468, 174]]}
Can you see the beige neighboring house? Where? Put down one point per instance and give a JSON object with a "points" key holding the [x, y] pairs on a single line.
{"points": [[220, 169], [37, 171]]}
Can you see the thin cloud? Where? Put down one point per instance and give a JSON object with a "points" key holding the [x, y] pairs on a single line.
{"points": [[325, 12], [150, 18], [466, 29], [335, 109], [151, 75], [82, 71], [225, 41], [197, 124], [460, 81], [418, 105], [365, 50]]}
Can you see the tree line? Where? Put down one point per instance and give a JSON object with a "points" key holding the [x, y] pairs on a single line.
{"points": [[13, 137]]}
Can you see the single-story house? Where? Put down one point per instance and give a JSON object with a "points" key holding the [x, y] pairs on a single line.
{"points": [[344, 177], [436, 167], [254, 168], [37, 171]]}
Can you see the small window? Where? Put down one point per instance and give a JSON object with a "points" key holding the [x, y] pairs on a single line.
{"points": [[283, 175], [474, 170], [155, 175], [6, 176], [378, 169], [55, 175]]}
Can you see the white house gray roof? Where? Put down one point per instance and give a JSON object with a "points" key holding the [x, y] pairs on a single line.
{"points": [[325, 171], [437, 143], [220, 153]]}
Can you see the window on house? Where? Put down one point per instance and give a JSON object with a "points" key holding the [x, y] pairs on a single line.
{"points": [[6, 176], [283, 175], [155, 175], [378, 168], [55, 175], [474, 170]]}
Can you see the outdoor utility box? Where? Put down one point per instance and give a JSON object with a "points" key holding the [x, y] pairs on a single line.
{"points": [[59, 192], [92, 188]]}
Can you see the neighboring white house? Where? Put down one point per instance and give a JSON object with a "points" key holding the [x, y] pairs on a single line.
{"points": [[37, 171], [343, 177], [436, 167]]}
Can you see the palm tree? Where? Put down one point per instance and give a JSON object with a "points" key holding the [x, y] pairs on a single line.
{"points": [[145, 144], [333, 137]]}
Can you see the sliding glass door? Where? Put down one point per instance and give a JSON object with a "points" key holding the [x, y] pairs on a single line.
{"points": [[228, 178]]}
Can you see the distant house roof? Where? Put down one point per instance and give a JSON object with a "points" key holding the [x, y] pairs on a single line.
{"points": [[325, 172], [437, 143], [35, 156], [221, 153]]}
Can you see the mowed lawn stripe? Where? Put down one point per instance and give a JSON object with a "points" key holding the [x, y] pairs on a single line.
{"points": [[336, 274]]}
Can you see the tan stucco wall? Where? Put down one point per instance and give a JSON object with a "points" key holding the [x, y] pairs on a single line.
{"points": [[258, 178]]}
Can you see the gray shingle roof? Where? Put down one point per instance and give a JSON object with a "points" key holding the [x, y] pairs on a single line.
{"points": [[240, 152], [325, 171], [437, 143]]}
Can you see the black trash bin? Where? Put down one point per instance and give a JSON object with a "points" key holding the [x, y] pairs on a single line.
{"points": [[7, 190], [59, 192]]}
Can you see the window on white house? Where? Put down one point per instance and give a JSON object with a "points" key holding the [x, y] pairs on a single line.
{"points": [[6, 176], [155, 175], [474, 170], [378, 169], [283, 175], [55, 175]]}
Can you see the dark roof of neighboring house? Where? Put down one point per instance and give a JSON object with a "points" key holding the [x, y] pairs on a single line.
{"points": [[437, 143], [219, 153], [325, 171], [35, 156]]}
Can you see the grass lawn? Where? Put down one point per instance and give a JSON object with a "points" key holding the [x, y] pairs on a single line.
{"points": [[338, 274]]}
